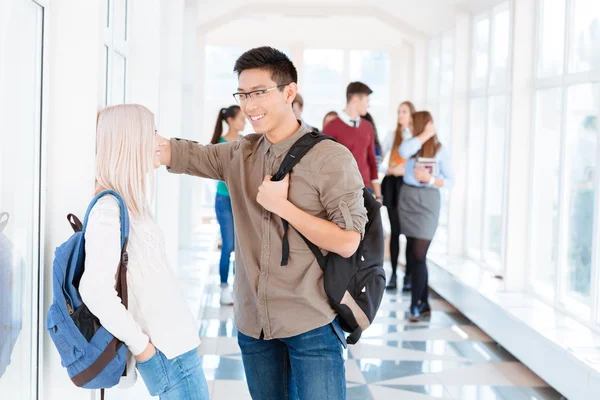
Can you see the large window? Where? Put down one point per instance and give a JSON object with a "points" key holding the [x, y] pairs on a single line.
{"points": [[373, 68], [327, 72], [20, 100], [565, 204], [323, 87], [115, 52], [488, 135], [440, 62]]}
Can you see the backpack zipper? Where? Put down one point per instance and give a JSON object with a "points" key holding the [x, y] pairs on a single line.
{"points": [[69, 308]]}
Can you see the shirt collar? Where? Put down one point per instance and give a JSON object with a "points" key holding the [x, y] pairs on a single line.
{"points": [[347, 120], [284, 146]]}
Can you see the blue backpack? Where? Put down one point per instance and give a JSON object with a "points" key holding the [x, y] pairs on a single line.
{"points": [[94, 358]]}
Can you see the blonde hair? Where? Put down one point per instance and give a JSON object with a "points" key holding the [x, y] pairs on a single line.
{"points": [[124, 155]]}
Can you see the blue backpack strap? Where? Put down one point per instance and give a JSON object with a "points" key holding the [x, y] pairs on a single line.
{"points": [[124, 214], [70, 291]]}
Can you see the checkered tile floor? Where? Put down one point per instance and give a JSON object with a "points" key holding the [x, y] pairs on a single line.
{"points": [[442, 357]]}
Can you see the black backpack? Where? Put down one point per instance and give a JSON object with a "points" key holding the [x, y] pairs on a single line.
{"points": [[354, 285]]}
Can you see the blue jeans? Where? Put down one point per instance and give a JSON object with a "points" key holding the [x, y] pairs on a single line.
{"points": [[306, 366], [181, 378], [225, 218]]}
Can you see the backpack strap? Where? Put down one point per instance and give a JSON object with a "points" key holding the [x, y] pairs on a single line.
{"points": [[294, 155]]}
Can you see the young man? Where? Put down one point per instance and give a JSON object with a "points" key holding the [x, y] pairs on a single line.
{"points": [[298, 107], [290, 340], [357, 134]]}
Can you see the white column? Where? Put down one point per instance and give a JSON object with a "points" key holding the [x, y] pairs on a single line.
{"points": [[519, 158], [398, 83], [170, 118], [460, 127], [298, 60], [73, 51], [143, 59], [192, 115], [420, 74]]}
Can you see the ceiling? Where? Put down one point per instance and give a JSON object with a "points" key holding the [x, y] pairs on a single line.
{"points": [[415, 19]]}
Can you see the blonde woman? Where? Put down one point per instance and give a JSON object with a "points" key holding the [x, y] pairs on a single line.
{"points": [[158, 326]]}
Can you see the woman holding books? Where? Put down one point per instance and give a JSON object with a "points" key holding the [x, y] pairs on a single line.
{"points": [[427, 170], [392, 184]]}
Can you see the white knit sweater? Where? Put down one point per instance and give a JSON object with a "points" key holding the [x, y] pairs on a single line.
{"points": [[157, 309]]}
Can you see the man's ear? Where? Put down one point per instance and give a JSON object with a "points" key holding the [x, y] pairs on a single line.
{"points": [[290, 92]]}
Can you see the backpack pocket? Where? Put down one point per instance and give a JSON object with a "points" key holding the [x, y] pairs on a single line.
{"points": [[368, 290], [64, 336]]}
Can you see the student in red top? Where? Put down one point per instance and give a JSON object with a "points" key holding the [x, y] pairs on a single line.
{"points": [[357, 134]]}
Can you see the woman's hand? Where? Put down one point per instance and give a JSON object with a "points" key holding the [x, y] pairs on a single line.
{"points": [[422, 175], [147, 354]]}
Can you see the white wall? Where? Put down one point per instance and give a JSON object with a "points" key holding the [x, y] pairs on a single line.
{"points": [[74, 74], [73, 70]]}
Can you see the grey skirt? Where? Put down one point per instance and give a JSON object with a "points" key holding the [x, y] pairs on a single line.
{"points": [[419, 211]]}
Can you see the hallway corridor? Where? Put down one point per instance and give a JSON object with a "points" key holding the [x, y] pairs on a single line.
{"points": [[444, 357]]}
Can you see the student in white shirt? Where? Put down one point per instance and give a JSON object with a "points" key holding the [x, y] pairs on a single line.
{"points": [[158, 326]]}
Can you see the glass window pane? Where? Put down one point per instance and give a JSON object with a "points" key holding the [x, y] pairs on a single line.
{"points": [[585, 54], [582, 134], [118, 78], [323, 88], [494, 177], [500, 48], [552, 37], [447, 65], [220, 83], [107, 11], [476, 161], [546, 189], [481, 41], [373, 69], [106, 69], [119, 20], [433, 69], [20, 95]]}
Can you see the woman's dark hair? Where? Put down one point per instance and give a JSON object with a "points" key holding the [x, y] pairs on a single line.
{"points": [[369, 118], [329, 114], [224, 115]]}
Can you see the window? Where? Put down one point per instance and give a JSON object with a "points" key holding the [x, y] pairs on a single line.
{"points": [[115, 42], [20, 113], [494, 178], [544, 223], [488, 136], [475, 174], [581, 177], [585, 39], [373, 68], [501, 47], [565, 201], [552, 38], [481, 40], [324, 87], [439, 102]]}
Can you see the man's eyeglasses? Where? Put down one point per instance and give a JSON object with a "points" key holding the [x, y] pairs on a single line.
{"points": [[255, 94]]}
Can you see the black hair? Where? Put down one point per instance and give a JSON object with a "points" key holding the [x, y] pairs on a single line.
{"points": [[355, 88], [369, 118], [269, 59], [224, 114]]}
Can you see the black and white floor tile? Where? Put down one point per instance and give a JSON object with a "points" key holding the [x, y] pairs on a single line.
{"points": [[442, 357]]}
